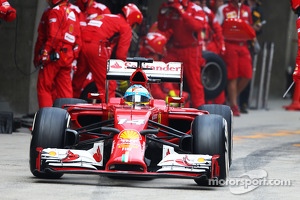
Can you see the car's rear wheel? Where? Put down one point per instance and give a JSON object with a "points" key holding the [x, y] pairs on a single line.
{"points": [[209, 137], [213, 75], [48, 132], [226, 113]]}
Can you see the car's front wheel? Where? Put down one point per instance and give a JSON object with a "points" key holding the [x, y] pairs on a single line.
{"points": [[226, 113], [49, 129], [209, 137]]}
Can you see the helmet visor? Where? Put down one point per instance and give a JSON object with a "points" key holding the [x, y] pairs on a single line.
{"points": [[136, 98]]}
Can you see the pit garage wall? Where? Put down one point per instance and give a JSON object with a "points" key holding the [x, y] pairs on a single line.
{"points": [[16, 39], [18, 76]]}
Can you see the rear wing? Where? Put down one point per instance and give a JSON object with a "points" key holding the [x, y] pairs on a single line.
{"points": [[158, 70]]}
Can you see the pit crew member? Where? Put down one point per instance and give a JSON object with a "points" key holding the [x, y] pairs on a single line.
{"points": [[237, 56], [90, 10], [62, 33], [99, 33], [186, 20]]}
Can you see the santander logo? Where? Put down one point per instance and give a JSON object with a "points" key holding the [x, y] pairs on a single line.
{"points": [[156, 66]]}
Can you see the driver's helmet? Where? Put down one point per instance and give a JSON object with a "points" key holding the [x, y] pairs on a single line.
{"points": [[137, 94]]}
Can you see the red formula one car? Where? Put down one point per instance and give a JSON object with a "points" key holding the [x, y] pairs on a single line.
{"points": [[133, 137]]}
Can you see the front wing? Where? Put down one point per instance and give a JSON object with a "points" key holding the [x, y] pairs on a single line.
{"points": [[173, 165]]}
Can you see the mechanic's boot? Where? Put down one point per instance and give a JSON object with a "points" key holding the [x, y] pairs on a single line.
{"points": [[295, 105], [244, 108]]}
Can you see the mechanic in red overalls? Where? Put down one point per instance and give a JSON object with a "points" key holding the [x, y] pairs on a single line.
{"points": [[7, 12], [213, 41], [237, 56], [90, 10], [42, 38], [186, 20], [62, 32], [295, 105], [153, 46], [99, 33]]}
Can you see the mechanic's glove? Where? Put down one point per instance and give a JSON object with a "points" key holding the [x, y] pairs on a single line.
{"points": [[178, 7], [296, 74], [44, 57]]}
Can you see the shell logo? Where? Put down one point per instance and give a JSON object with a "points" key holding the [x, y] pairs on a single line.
{"points": [[52, 153], [201, 160], [129, 134]]}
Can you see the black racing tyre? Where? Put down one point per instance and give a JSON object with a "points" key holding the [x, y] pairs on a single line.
{"points": [[226, 113], [213, 75], [209, 137], [58, 103], [48, 132]]}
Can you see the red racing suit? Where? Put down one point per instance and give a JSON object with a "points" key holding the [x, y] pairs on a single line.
{"points": [[185, 46], [59, 33], [96, 48], [7, 12], [93, 10], [237, 56]]}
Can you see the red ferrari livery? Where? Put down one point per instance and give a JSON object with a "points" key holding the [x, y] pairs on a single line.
{"points": [[115, 138]]}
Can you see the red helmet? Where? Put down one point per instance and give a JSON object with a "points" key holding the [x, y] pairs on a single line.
{"points": [[155, 42], [132, 14], [295, 4]]}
